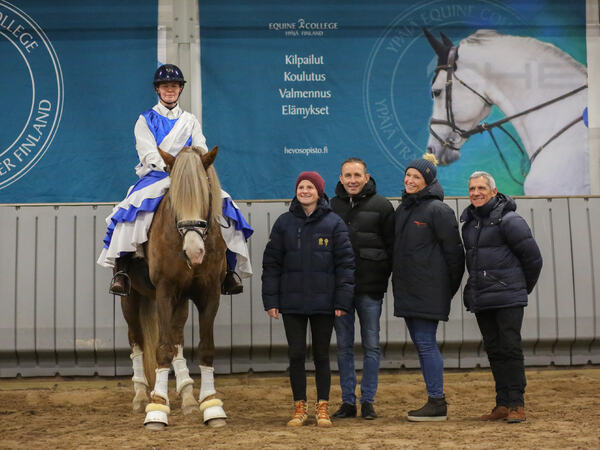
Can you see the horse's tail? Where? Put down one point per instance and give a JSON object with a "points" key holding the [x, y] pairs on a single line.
{"points": [[149, 326]]}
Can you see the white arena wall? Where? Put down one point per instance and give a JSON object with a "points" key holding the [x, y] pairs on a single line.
{"points": [[57, 316]]}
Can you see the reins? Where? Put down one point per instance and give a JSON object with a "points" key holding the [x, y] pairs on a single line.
{"points": [[465, 134]]}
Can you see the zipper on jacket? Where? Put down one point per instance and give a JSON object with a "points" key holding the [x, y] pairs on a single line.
{"points": [[493, 278], [299, 240]]}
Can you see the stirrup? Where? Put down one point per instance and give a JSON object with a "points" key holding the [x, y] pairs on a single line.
{"points": [[127, 284], [237, 289]]}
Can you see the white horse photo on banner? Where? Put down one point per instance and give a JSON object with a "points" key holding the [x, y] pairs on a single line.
{"points": [[541, 90]]}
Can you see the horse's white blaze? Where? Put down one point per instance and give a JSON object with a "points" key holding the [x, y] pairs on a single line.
{"points": [[517, 73], [193, 246]]}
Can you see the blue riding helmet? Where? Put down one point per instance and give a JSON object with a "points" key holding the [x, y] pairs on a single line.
{"points": [[168, 73]]}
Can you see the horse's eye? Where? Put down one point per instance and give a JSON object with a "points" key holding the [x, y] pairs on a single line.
{"points": [[436, 93]]}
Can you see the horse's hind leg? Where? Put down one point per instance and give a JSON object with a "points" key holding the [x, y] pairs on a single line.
{"points": [[210, 405], [130, 307], [185, 384]]}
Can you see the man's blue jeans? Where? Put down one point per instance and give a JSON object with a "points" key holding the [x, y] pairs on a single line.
{"points": [[369, 311], [422, 332]]}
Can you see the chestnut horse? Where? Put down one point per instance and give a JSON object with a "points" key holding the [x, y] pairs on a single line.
{"points": [[184, 259]]}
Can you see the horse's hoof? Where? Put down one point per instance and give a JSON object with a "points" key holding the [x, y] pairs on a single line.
{"points": [[216, 423], [155, 426]]}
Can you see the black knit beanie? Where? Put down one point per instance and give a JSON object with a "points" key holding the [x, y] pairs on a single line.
{"points": [[427, 169]]}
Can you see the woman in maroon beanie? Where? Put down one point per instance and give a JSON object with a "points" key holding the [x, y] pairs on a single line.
{"points": [[308, 276]]}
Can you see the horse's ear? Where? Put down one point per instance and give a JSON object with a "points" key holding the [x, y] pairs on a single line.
{"points": [[440, 49], [209, 158], [167, 158], [446, 40]]}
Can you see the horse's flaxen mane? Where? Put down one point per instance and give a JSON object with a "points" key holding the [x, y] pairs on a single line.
{"points": [[484, 36], [190, 185]]}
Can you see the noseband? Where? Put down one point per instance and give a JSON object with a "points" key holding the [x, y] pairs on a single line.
{"points": [[450, 68], [201, 226]]}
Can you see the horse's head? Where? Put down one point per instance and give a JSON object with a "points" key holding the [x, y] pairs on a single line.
{"points": [[195, 198], [459, 103]]}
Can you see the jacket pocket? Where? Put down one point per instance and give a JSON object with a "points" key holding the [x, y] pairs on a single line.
{"points": [[491, 278], [373, 254]]}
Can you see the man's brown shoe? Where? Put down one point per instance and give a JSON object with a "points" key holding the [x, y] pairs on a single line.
{"points": [[516, 415], [498, 413]]}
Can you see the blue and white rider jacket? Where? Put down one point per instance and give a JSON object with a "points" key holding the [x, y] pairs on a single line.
{"points": [[169, 129]]}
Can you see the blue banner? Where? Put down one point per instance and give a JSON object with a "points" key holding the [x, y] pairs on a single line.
{"points": [[291, 86], [75, 77]]}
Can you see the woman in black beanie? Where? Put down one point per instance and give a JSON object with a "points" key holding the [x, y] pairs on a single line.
{"points": [[427, 269]]}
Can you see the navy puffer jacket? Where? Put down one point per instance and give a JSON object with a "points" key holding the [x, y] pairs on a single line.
{"points": [[308, 264], [429, 260], [503, 259]]}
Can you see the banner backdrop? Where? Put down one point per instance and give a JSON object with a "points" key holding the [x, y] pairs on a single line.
{"points": [[75, 76], [291, 86]]}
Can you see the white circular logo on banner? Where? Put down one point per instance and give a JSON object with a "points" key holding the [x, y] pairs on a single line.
{"points": [[387, 97], [36, 98]]}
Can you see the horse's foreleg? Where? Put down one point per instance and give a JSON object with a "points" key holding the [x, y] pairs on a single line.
{"points": [[185, 384], [158, 410], [210, 406]]}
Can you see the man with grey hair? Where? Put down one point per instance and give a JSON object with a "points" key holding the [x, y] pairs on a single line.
{"points": [[504, 263]]}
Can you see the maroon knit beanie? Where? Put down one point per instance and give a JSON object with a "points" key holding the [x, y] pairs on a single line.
{"points": [[314, 178]]}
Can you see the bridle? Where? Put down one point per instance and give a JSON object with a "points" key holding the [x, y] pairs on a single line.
{"points": [[200, 226], [450, 68]]}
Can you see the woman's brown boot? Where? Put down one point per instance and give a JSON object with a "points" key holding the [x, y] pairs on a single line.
{"points": [[322, 414], [300, 414]]}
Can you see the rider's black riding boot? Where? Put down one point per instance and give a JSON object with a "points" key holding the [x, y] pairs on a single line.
{"points": [[232, 284], [120, 283]]}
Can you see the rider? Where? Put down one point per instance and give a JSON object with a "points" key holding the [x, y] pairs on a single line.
{"points": [[166, 126]]}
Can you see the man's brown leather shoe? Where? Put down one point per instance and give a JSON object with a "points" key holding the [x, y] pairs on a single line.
{"points": [[516, 415], [498, 413]]}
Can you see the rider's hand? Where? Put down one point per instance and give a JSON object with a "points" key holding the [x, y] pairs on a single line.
{"points": [[340, 313], [274, 313]]}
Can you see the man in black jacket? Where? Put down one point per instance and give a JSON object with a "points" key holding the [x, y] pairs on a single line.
{"points": [[370, 221], [504, 263]]}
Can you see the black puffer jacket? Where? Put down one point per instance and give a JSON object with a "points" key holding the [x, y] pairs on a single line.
{"points": [[503, 259], [308, 264], [428, 255], [370, 221]]}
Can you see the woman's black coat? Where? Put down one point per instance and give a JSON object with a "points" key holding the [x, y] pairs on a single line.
{"points": [[308, 264], [503, 259], [428, 255]]}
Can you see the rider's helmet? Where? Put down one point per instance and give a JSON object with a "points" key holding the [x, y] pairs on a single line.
{"points": [[168, 73]]}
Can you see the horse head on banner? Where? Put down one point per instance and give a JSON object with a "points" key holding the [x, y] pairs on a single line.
{"points": [[536, 85]]}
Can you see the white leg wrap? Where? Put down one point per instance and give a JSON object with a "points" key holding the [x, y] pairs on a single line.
{"points": [[137, 358], [161, 387], [207, 386], [182, 374]]}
